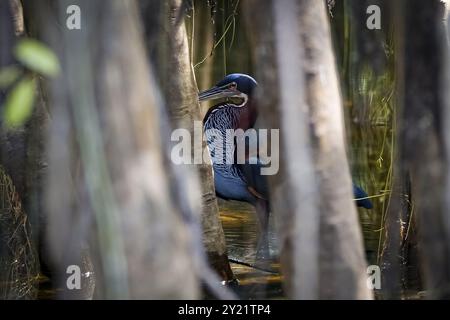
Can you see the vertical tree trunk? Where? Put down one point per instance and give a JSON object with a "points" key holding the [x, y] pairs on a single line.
{"points": [[106, 159], [445, 97], [322, 244], [421, 134], [180, 91]]}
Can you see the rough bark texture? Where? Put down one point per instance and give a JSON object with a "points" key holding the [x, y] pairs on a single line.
{"points": [[17, 10], [176, 77], [294, 188], [342, 261], [184, 109], [107, 160], [321, 241]]}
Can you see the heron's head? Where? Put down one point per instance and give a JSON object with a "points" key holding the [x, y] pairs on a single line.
{"points": [[235, 85]]}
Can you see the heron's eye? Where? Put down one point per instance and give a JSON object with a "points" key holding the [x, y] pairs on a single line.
{"points": [[233, 86]]}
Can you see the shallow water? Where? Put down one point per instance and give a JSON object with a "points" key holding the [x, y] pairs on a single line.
{"points": [[257, 279]]}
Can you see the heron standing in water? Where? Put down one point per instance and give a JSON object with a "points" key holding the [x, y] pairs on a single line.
{"points": [[242, 182]]}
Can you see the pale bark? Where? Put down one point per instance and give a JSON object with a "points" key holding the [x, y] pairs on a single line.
{"points": [[176, 77], [321, 239], [342, 261], [109, 120], [17, 10]]}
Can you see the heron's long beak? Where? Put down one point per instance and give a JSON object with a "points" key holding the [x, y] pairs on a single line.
{"points": [[216, 93]]}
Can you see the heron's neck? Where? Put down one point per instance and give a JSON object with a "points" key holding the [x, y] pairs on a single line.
{"points": [[221, 118], [244, 98], [248, 115]]}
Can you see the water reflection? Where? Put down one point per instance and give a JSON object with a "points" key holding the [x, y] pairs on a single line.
{"points": [[257, 279]]}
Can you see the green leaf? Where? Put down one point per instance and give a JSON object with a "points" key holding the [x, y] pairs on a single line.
{"points": [[37, 57], [8, 75], [19, 103]]}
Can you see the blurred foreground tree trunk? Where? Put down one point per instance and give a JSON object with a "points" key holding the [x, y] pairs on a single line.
{"points": [[422, 45], [170, 56], [108, 190], [368, 67], [319, 232]]}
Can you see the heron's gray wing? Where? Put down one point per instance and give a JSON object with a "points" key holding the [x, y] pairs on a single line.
{"points": [[256, 182]]}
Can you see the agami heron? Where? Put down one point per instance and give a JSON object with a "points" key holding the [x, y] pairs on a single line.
{"points": [[242, 182]]}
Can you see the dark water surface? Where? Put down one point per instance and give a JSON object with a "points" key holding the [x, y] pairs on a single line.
{"points": [[257, 279]]}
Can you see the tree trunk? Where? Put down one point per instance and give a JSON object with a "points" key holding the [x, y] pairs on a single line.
{"points": [[108, 186], [422, 134], [180, 91], [322, 253]]}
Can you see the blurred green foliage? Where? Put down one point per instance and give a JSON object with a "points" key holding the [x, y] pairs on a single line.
{"points": [[8, 76], [37, 57], [20, 80], [19, 103]]}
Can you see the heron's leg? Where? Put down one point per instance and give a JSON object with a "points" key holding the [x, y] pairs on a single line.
{"points": [[262, 212]]}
